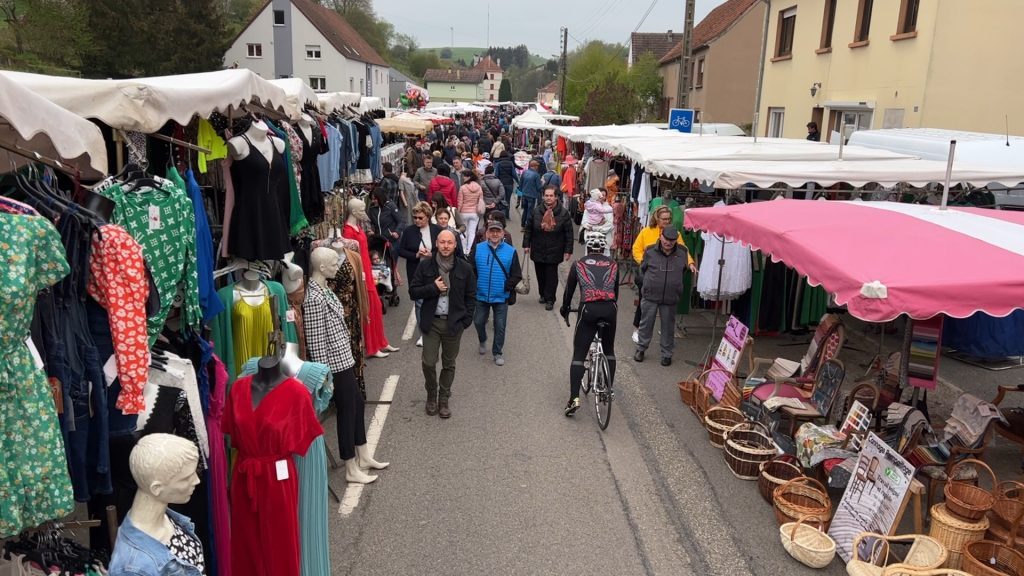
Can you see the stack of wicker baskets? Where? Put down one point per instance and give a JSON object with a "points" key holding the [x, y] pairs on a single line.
{"points": [[719, 420], [961, 520], [747, 446], [775, 473]]}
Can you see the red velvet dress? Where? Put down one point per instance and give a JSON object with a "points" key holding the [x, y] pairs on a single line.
{"points": [[264, 509], [373, 331]]}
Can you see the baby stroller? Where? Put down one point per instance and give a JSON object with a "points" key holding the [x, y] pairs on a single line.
{"points": [[383, 264]]}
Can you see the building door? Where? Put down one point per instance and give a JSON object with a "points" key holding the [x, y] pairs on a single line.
{"points": [[849, 121]]}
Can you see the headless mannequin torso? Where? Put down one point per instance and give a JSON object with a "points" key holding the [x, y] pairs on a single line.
{"points": [[306, 127], [259, 137]]}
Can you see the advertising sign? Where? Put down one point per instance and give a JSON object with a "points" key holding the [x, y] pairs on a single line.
{"points": [[728, 356]]}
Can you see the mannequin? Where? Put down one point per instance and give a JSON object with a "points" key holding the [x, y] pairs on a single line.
{"points": [[258, 223], [373, 330], [257, 136], [295, 288], [306, 126], [329, 344], [152, 537], [350, 289]]}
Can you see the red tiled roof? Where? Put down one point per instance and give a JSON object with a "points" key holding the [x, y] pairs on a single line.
{"points": [[657, 43], [339, 33], [712, 26], [454, 75], [551, 88], [488, 65]]}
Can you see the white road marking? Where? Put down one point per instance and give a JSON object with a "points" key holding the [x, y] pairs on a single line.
{"points": [[350, 500], [410, 325]]}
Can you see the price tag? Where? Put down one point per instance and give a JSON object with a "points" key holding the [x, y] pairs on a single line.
{"points": [[290, 315], [154, 218], [282, 469], [36, 358], [110, 370]]}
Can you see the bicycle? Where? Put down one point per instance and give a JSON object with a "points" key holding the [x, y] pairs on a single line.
{"points": [[680, 122], [597, 377]]}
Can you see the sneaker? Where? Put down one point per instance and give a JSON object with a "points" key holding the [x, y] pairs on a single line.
{"points": [[572, 407], [666, 361], [483, 348], [636, 336], [419, 342], [499, 359]]}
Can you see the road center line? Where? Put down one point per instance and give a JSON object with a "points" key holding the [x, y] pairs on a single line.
{"points": [[350, 500], [410, 325]]}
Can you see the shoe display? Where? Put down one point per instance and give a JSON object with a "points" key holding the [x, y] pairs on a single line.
{"points": [[442, 408], [572, 407], [483, 348], [499, 360], [419, 342], [638, 356], [666, 361], [636, 336], [431, 405]]}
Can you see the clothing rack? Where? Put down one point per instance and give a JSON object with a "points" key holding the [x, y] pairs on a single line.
{"points": [[37, 157], [64, 525], [182, 143]]}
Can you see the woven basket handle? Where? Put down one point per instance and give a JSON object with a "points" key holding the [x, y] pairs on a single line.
{"points": [[792, 533], [952, 471], [804, 480], [1010, 486]]}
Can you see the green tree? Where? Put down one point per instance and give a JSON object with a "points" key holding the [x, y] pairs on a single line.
{"points": [[446, 53], [50, 36], [647, 85], [420, 61], [590, 68], [238, 13], [611, 103], [505, 91]]}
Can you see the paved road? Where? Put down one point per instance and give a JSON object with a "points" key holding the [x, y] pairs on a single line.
{"points": [[509, 485]]}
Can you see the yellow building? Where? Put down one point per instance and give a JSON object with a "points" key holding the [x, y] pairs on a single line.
{"points": [[893, 64]]}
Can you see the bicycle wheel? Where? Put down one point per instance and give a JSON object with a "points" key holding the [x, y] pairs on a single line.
{"points": [[602, 391]]}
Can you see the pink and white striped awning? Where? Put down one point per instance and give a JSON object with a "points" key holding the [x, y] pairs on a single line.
{"points": [[884, 259]]}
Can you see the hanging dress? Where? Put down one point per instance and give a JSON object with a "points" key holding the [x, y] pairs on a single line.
{"points": [[250, 326], [309, 185], [34, 482], [373, 331], [737, 273], [344, 286], [260, 219], [264, 484]]}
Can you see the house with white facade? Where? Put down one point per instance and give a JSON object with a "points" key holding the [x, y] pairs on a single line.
{"points": [[491, 81], [301, 39]]}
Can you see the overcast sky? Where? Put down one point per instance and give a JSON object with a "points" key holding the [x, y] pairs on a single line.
{"points": [[535, 23]]}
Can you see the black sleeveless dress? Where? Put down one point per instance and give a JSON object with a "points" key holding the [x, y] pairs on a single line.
{"points": [[312, 196], [259, 220]]}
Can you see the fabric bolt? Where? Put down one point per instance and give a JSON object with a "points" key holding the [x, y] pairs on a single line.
{"points": [[329, 164], [209, 139], [264, 505], [208, 300], [327, 336], [373, 328], [222, 326], [312, 469], [117, 281], [34, 482], [260, 217], [250, 327], [220, 517], [163, 223]]}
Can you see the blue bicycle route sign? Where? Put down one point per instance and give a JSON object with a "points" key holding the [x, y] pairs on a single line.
{"points": [[681, 119]]}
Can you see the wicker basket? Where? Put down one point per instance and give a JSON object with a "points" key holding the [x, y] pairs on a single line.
{"points": [[902, 570], [810, 546], [702, 398], [955, 533], [687, 386], [925, 553], [719, 420], [802, 497], [988, 558], [746, 448], [1009, 505], [966, 500], [775, 473]]}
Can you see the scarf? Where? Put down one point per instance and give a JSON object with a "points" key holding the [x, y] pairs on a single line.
{"points": [[548, 223], [445, 266]]}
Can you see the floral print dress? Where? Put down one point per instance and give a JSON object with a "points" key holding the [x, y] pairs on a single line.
{"points": [[34, 482]]}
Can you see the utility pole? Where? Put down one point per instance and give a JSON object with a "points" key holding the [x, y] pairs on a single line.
{"points": [[682, 89], [452, 45], [564, 66]]}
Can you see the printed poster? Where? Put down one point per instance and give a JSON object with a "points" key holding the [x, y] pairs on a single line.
{"points": [[873, 498], [728, 356]]}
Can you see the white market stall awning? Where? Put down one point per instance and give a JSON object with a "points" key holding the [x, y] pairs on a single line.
{"points": [[34, 124], [299, 95], [531, 120], [587, 134], [146, 104], [370, 103], [978, 148], [405, 124], [334, 101]]}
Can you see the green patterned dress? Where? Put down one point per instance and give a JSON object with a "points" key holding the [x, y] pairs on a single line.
{"points": [[34, 482]]}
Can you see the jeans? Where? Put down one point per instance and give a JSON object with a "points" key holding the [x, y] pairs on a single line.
{"points": [[508, 201], [99, 326], [351, 419], [439, 342], [480, 314], [528, 205], [419, 305], [648, 310]]}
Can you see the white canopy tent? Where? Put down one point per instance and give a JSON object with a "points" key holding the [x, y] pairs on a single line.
{"points": [[405, 123], [532, 120], [992, 150], [30, 123], [299, 94], [370, 103], [333, 101], [588, 134], [689, 147], [146, 104]]}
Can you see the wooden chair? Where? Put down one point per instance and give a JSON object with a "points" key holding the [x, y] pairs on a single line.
{"points": [[1012, 433], [826, 344], [828, 381]]}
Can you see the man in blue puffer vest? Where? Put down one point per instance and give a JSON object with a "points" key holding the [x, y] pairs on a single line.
{"points": [[498, 271]]}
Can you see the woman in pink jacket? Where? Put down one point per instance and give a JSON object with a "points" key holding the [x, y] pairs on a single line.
{"points": [[470, 206]]}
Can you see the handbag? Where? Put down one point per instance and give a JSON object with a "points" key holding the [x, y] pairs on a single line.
{"points": [[511, 300], [481, 207], [524, 285]]}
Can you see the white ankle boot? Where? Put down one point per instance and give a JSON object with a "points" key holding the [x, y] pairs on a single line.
{"points": [[355, 474], [367, 461]]}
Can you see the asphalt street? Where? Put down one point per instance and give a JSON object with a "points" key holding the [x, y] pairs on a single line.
{"points": [[509, 485]]}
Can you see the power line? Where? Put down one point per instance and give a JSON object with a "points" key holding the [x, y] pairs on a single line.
{"points": [[601, 14], [595, 17]]}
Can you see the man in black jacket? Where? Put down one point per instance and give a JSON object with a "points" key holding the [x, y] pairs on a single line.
{"points": [[662, 269], [548, 241], [447, 286], [505, 171]]}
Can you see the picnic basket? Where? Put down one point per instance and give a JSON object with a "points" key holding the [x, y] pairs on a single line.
{"points": [[809, 545]]}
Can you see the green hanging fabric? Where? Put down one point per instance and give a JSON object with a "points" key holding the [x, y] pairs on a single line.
{"points": [[756, 287]]}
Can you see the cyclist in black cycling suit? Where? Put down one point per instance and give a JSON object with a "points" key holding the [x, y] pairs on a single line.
{"points": [[598, 279]]}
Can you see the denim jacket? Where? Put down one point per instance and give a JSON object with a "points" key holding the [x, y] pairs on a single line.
{"points": [[139, 554]]}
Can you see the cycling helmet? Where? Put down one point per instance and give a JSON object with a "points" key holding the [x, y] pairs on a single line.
{"points": [[595, 240]]}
